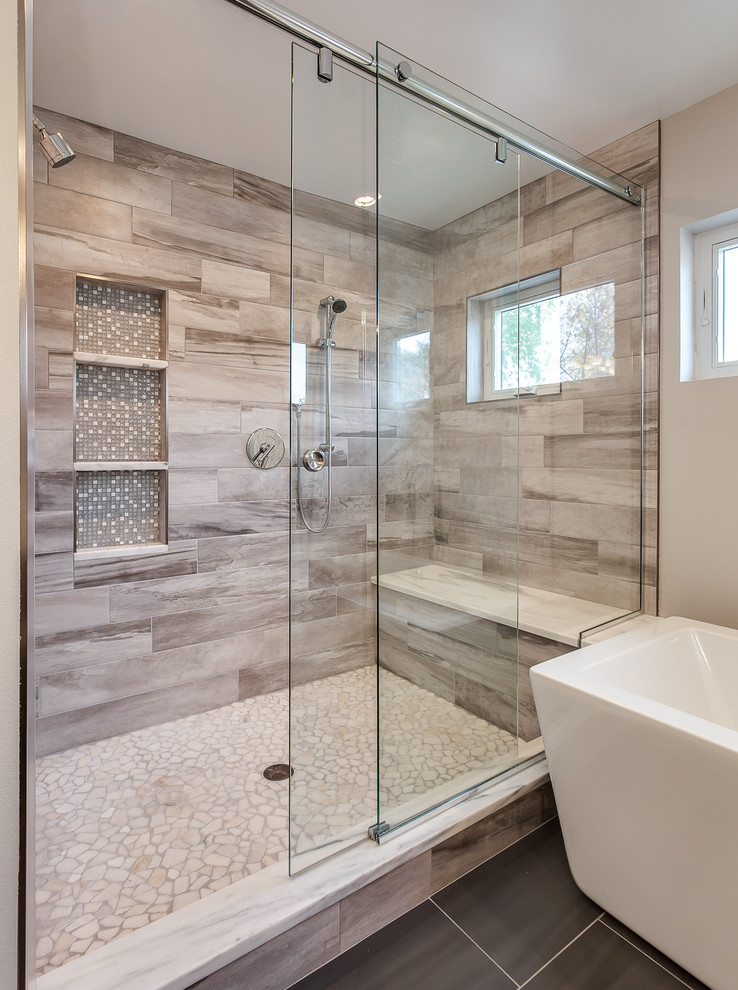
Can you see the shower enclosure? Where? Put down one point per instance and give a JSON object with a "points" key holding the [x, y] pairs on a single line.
{"points": [[246, 662], [486, 483]]}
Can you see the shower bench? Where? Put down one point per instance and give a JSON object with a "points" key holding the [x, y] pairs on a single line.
{"points": [[472, 638]]}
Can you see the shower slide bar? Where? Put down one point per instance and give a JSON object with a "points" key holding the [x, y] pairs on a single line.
{"points": [[309, 31]]}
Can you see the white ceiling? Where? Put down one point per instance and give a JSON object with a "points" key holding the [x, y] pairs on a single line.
{"points": [[207, 78]]}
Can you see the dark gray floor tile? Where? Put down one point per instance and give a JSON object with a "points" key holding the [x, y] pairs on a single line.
{"points": [[522, 906], [640, 943], [421, 949], [602, 960]]}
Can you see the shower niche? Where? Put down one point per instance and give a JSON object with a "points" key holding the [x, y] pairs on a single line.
{"points": [[120, 418]]}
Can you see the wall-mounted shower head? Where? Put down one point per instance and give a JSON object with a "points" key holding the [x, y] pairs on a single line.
{"points": [[54, 148]]}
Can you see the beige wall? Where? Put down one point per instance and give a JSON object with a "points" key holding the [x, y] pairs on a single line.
{"points": [[699, 453], [9, 501]]}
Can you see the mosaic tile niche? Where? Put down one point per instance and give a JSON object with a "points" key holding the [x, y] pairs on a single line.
{"points": [[120, 416], [113, 319], [117, 508]]}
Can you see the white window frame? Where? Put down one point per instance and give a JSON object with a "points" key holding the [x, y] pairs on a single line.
{"points": [[536, 289], [707, 247], [483, 336]]}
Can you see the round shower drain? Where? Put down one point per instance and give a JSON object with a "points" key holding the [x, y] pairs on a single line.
{"points": [[278, 771]]}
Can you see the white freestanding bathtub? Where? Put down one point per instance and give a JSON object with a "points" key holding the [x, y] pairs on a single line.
{"points": [[641, 734]]}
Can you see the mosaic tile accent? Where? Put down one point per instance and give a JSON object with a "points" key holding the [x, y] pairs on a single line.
{"points": [[117, 508], [113, 320], [118, 414], [132, 828]]}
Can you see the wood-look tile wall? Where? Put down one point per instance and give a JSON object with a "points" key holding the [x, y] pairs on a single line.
{"points": [[577, 467], [130, 641], [548, 490], [478, 665], [406, 453], [127, 642]]}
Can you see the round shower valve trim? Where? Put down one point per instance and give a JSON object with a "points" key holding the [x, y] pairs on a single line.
{"points": [[265, 448]]}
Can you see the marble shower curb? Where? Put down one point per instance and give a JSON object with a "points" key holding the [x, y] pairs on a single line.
{"points": [[190, 944]]}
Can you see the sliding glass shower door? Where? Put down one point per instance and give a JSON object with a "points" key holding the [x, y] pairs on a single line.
{"points": [[511, 451], [448, 493], [333, 684], [467, 447]]}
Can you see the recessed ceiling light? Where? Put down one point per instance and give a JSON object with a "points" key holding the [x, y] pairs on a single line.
{"points": [[365, 201]]}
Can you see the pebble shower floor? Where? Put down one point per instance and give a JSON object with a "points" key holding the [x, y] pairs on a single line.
{"points": [[134, 827]]}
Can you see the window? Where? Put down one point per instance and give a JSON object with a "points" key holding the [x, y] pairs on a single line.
{"points": [[413, 366], [527, 337], [716, 301], [298, 373]]}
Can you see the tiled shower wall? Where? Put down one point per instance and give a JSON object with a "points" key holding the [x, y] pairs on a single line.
{"points": [[558, 504], [579, 453], [127, 642], [406, 449]]}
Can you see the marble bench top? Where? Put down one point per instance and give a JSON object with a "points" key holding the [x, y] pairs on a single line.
{"points": [[543, 613]]}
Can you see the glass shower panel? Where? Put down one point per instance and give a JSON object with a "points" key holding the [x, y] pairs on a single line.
{"points": [[581, 437], [333, 459], [448, 478]]}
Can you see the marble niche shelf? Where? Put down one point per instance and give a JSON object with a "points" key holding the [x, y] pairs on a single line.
{"points": [[120, 418], [118, 361]]}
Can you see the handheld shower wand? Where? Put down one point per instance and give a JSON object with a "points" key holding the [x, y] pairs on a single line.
{"points": [[317, 458], [334, 307]]}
